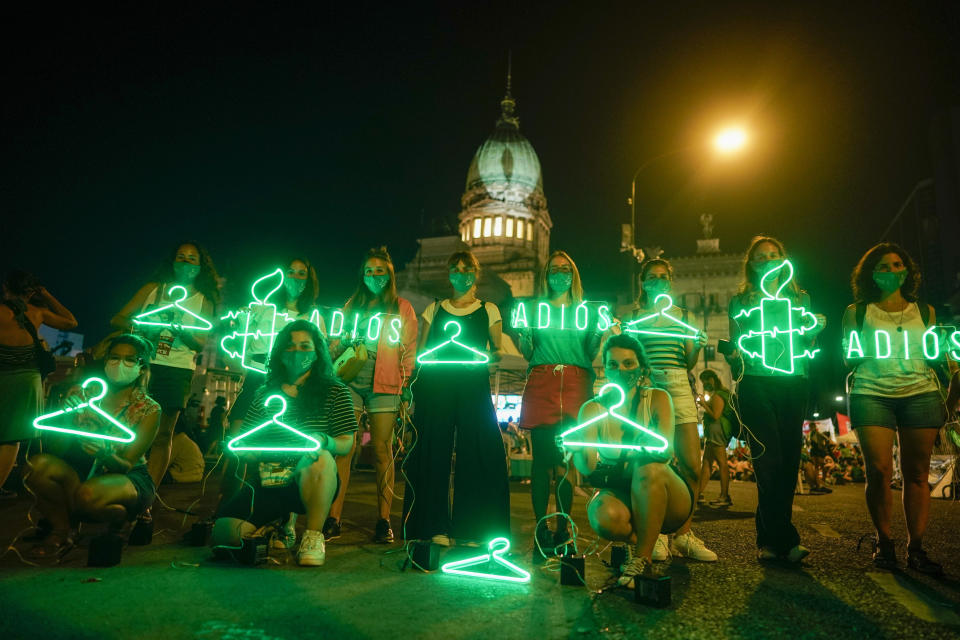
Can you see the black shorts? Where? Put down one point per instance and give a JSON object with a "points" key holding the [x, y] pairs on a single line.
{"points": [[170, 386], [146, 490], [267, 504]]}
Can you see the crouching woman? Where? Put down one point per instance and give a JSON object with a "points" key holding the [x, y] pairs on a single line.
{"points": [[641, 494], [280, 477]]}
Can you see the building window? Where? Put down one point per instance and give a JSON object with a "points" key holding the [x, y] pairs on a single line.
{"points": [[465, 232], [509, 232], [476, 227], [520, 229], [498, 226], [529, 231], [487, 224]]}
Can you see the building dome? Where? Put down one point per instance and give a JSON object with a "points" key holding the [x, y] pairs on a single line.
{"points": [[505, 157], [504, 217]]}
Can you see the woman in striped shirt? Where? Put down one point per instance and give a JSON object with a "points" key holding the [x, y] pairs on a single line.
{"points": [[673, 357], [284, 480]]}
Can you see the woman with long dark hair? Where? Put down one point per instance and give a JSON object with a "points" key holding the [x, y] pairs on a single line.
{"points": [[173, 364], [90, 479], [773, 395], [381, 386], [893, 395], [559, 380], [25, 306], [318, 406], [672, 357], [454, 411]]}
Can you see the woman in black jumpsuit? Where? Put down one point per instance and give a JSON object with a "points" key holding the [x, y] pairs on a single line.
{"points": [[454, 411]]}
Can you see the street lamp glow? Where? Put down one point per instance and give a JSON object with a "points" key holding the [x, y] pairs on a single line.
{"points": [[730, 140], [839, 398]]}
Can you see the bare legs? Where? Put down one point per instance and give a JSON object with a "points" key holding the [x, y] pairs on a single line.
{"points": [[8, 457], [686, 442], [659, 500], [915, 448], [162, 447], [711, 453], [381, 436]]}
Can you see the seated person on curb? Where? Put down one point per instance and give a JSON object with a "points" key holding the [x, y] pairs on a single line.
{"points": [[92, 479], [641, 495], [281, 482]]}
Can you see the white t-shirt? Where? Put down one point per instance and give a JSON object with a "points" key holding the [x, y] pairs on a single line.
{"points": [[171, 350], [493, 313]]}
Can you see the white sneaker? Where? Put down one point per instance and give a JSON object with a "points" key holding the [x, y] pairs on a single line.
{"points": [[313, 550], [690, 546], [661, 550], [285, 539], [442, 539]]}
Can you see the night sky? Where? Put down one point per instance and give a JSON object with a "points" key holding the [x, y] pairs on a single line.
{"points": [[326, 132]]}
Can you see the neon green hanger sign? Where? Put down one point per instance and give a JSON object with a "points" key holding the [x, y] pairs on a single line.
{"points": [[674, 327], [452, 351], [160, 317], [780, 324], [563, 318], [486, 566], [273, 424], [49, 421], [658, 443]]}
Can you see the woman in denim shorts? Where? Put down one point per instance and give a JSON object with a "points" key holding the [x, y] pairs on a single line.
{"points": [[894, 393]]}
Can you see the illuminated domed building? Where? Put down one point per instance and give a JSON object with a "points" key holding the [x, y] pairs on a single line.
{"points": [[503, 220]]}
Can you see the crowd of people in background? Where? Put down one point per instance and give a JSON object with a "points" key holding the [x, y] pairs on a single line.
{"points": [[429, 415]]}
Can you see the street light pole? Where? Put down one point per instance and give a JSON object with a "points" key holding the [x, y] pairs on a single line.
{"points": [[636, 251]]}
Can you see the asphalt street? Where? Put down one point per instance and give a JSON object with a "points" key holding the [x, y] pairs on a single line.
{"points": [[170, 590]]}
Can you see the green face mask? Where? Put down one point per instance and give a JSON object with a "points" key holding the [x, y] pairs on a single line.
{"points": [[185, 272], [297, 363], [655, 286], [294, 287], [889, 281]]}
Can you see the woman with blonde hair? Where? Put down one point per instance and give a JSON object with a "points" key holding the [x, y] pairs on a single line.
{"points": [[559, 380]]}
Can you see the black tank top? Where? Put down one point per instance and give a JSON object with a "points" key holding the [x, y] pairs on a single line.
{"points": [[475, 327]]}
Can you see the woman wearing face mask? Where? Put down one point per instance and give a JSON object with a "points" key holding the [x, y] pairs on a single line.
{"points": [[25, 306], [671, 358], [318, 405], [641, 494], [895, 396], [772, 403], [381, 386], [454, 411], [94, 479], [173, 363], [717, 429], [559, 380]]}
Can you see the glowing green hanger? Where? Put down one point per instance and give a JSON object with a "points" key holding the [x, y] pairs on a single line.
{"points": [[204, 325], [90, 404], [234, 445], [774, 341], [497, 547], [660, 447], [237, 344], [479, 357], [634, 326]]}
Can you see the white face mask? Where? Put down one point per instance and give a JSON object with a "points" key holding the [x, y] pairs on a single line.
{"points": [[121, 373]]}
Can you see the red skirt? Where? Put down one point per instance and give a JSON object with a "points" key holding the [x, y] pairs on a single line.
{"points": [[552, 392]]}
